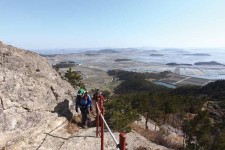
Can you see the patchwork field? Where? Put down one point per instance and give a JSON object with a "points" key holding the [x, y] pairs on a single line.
{"points": [[94, 67]]}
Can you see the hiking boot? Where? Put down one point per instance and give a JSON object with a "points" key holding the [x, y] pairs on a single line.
{"points": [[84, 127], [88, 122]]}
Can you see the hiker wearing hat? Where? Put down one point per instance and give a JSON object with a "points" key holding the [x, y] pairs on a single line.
{"points": [[84, 102]]}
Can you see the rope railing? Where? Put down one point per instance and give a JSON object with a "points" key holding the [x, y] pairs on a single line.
{"points": [[100, 114]]}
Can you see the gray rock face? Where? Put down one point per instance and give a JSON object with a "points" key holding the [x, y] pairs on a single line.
{"points": [[32, 98]]}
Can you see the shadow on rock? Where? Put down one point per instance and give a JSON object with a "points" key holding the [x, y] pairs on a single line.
{"points": [[63, 110]]}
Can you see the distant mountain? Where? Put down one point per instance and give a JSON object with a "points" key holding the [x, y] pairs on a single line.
{"points": [[119, 60], [150, 51], [175, 64], [156, 55], [91, 54], [198, 54], [174, 50], [208, 63], [52, 55], [108, 51], [61, 51]]}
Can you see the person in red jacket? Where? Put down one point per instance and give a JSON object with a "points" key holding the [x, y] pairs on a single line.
{"points": [[98, 96]]}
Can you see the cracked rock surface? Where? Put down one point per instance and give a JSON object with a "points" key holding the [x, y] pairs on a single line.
{"points": [[34, 99]]}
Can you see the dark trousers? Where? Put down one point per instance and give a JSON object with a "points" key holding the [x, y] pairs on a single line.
{"points": [[84, 113]]}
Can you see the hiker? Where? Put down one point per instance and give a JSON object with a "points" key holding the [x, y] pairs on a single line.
{"points": [[84, 102], [98, 96]]}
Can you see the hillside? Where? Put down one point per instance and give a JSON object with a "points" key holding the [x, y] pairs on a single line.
{"points": [[37, 106], [195, 114]]}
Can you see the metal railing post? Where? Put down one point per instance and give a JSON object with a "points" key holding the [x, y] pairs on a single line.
{"points": [[101, 114], [97, 119], [100, 106], [102, 130], [122, 141]]}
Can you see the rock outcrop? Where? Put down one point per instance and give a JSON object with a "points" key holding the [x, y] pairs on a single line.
{"points": [[36, 106], [34, 100]]}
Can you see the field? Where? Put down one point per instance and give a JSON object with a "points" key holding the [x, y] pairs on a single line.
{"points": [[94, 67], [94, 78]]}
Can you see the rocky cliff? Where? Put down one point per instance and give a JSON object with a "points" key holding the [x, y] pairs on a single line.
{"points": [[36, 107], [33, 98]]}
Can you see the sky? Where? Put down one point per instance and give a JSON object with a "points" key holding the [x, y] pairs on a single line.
{"points": [[49, 24]]}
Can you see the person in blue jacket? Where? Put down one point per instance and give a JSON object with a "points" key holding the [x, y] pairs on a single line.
{"points": [[84, 102]]}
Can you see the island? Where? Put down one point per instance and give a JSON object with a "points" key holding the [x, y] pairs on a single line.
{"points": [[91, 54], [198, 54], [119, 60], [175, 64], [107, 51], [156, 55], [208, 63]]}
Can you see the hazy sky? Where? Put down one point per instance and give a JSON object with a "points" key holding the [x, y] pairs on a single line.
{"points": [[36, 24]]}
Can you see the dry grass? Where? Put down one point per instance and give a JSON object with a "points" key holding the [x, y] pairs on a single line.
{"points": [[76, 119], [72, 128], [155, 136], [73, 124], [140, 148]]}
